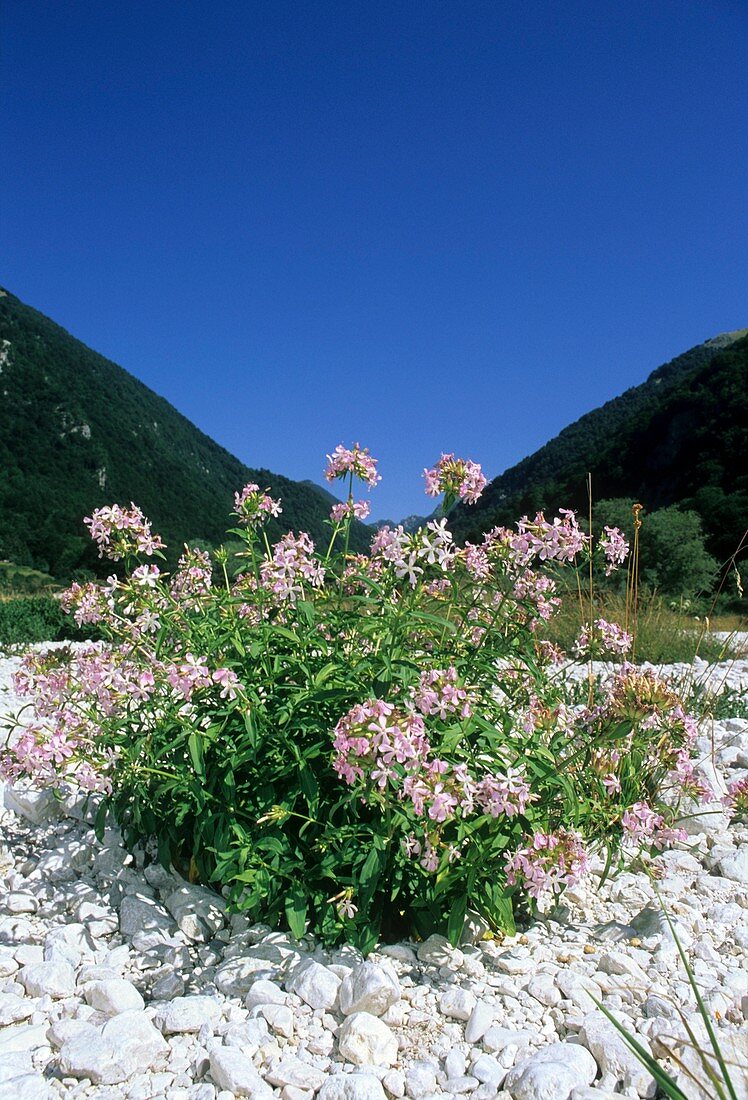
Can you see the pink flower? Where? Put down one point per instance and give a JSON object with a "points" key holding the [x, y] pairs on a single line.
{"points": [[253, 506], [552, 860], [457, 477], [122, 531], [736, 799], [561, 540], [438, 693], [357, 462], [291, 566], [606, 637], [640, 822], [357, 509], [227, 680], [614, 547]]}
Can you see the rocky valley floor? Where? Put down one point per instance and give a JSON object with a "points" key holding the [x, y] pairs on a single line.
{"points": [[120, 980]]}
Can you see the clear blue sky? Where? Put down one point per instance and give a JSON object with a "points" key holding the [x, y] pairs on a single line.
{"points": [[423, 225]]}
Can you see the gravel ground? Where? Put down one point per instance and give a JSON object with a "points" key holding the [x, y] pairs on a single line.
{"points": [[120, 980]]}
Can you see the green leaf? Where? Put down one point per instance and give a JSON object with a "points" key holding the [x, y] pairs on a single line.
{"points": [[370, 873], [195, 745], [456, 921], [100, 820], [295, 906], [325, 673], [307, 610]]}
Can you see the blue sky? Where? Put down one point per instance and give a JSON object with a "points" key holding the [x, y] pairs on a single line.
{"points": [[425, 226]]}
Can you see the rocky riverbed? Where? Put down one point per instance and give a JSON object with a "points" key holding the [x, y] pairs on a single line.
{"points": [[118, 979]]}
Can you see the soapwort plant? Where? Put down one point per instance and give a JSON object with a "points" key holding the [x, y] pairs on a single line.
{"points": [[359, 746]]}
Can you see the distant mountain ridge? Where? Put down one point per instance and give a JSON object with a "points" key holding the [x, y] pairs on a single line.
{"points": [[77, 431], [681, 437]]}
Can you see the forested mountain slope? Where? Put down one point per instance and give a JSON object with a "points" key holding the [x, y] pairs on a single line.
{"points": [[679, 438], [77, 431]]}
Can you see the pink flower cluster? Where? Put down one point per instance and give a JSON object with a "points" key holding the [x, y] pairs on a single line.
{"points": [[377, 743], [356, 509], [439, 693], [410, 555], [736, 799], [615, 548], [457, 477], [641, 823], [504, 794], [69, 701], [686, 777], [88, 603], [550, 861], [122, 531], [372, 736], [605, 637], [193, 579], [189, 675], [561, 540], [356, 461], [292, 565], [538, 592], [253, 506]]}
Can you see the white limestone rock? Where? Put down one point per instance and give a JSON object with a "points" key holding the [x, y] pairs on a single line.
{"points": [[735, 866], [29, 1086], [94, 1057], [279, 1017], [457, 1003], [200, 913], [14, 1009], [352, 1086], [300, 1075], [38, 807], [315, 984], [481, 1018], [264, 992], [364, 1040], [420, 1080], [551, 1073], [114, 996], [48, 979], [438, 951], [139, 913], [186, 1015], [615, 1058], [233, 1071], [369, 987], [237, 975]]}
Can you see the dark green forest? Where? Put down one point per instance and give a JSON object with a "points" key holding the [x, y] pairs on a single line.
{"points": [[77, 431], [680, 438]]}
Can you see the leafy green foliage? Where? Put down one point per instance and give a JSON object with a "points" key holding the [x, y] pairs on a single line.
{"points": [[360, 747], [28, 619], [77, 432], [673, 558]]}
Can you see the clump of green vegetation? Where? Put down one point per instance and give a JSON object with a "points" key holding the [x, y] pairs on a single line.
{"points": [[93, 434], [25, 620], [664, 634], [357, 745], [21, 579], [680, 438]]}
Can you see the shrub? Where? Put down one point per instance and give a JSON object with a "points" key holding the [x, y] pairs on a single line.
{"points": [[672, 550], [354, 745], [28, 619]]}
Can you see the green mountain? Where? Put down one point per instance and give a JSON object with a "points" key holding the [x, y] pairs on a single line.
{"points": [[77, 431], [679, 438]]}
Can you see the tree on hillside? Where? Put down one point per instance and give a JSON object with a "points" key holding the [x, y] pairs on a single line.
{"points": [[673, 558]]}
